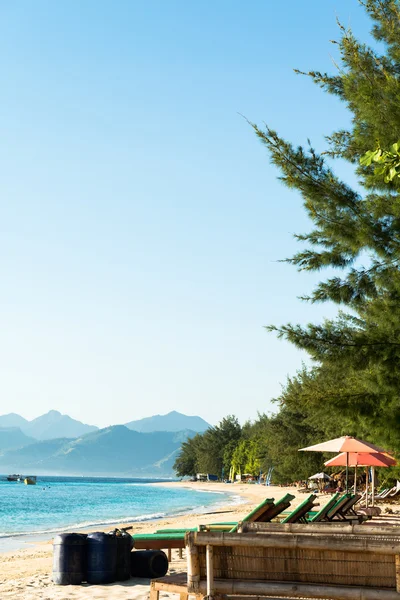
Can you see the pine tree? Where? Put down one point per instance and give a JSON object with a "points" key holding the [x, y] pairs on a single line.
{"points": [[358, 354]]}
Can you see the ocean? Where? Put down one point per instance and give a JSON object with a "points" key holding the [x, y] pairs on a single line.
{"points": [[65, 503]]}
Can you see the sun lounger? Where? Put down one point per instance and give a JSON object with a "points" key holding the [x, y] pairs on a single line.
{"points": [[349, 507], [299, 514], [159, 541], [343, 510], [171, 539], [268, 513], [179, 530], [334, 513], [258, 512], [383, 495], [321, 515], [393, 494], [223, 526]]}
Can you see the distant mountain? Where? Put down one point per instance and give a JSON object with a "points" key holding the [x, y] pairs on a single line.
{"points": [[13, 437], [172, 421], [13, 420], [32, 454], [114, 450], [54, 425]]}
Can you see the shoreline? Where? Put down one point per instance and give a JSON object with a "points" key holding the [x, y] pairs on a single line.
{"points": [[19, 540], [25, 574]]}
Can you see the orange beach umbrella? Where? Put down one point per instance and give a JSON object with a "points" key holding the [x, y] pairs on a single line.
{"points": [[346, 444], [362, 459]]}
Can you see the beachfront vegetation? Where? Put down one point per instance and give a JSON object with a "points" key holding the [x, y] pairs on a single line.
{"points": [[353, 385]]}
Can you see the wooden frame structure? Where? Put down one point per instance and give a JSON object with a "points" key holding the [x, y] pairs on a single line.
{"points": [[335, 562]]}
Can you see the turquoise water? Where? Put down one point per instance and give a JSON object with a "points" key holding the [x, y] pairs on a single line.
{"points": [[60, 503]]}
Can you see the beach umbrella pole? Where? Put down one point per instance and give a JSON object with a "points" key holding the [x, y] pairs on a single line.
{"points": [[347, 472], [366, 488], [355, 479], [373, 486]]}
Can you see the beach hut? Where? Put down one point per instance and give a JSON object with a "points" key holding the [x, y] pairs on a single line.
{"points": [[320, 478]]}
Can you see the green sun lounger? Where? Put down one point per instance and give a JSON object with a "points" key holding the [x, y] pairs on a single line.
{"points": [[321, 515], [335, 512], [175, 538], [222, 526], [159, 541], [276, 509], [346, 511], [168, 531], [266, 511], [260, 512], [299, 514]]}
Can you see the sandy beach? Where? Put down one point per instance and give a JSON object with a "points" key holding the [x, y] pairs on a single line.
{"points": [[25, 574]]}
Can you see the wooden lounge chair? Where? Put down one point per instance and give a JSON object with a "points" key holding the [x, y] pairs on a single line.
{"points": [[173, 539], [222, 526], [343, 510], [158, 541], [257, 514], [334, 513], [299, 514], [346, 510], [321, 515], [268, 513]]}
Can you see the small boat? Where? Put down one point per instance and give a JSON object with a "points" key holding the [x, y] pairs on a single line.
{"points": [[30, 480], [14, 477]]}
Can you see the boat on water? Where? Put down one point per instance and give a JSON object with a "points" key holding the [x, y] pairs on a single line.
{"points": [[30, 480], [14, 477]]}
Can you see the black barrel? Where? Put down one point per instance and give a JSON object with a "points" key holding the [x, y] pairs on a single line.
{"points": [[149, 563], [69, 559], [124, 547], [101, 558]]}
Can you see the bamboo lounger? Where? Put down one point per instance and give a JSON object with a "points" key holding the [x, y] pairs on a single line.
{"points": [[344, 562]]}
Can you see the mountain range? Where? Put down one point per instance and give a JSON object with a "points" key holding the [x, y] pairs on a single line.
{"points": [[54, 425], [172, 421], [57, 444], [49, 426]]}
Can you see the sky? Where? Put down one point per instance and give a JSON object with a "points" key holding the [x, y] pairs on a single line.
{"points": [[142, 225]]}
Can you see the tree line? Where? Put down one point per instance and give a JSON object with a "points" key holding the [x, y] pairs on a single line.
{"points": [[353, 384]]}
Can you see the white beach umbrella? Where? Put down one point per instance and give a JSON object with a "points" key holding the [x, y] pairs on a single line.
{"points": [[320, 476]]}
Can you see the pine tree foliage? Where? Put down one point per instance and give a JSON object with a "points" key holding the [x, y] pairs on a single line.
{"points": [[210, 452], [359, 351], [354, 386]]}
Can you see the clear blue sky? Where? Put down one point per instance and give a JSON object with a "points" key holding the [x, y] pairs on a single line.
{"points": [[141, 223]]}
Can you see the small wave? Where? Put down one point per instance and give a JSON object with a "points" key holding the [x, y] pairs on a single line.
{"points": [[84, 525], [228, 498], [208, 491]]}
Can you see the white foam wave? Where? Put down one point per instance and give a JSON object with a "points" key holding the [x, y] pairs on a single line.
{"points": [[230, 498], [85, 524]]}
